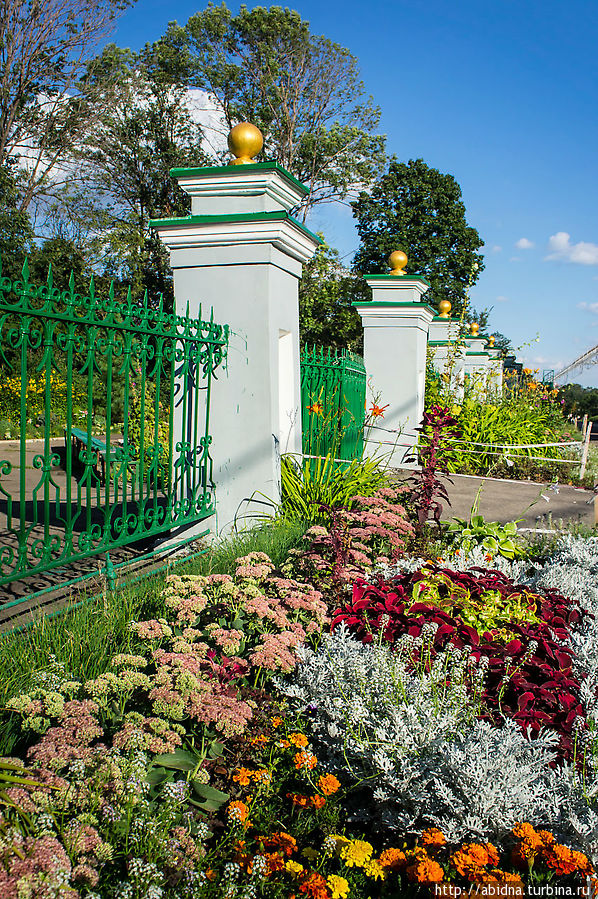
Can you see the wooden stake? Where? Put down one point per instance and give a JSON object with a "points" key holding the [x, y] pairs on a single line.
{"points": [[586, 447]]}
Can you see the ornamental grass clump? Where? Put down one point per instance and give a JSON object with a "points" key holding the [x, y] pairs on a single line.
{"points": [[523, 635]]}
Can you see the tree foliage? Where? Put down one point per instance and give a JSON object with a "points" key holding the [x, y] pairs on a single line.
{"points": [[326, 290], [417, 209], [580, 400], [302, 90], [44, 49]]}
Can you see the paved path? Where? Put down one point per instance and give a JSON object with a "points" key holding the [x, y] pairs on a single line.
{"points": [[538, 505]]}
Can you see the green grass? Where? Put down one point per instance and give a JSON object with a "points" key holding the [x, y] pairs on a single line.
{"points": [[84, 639]]}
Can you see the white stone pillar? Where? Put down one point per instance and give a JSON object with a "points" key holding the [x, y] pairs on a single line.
{"points": [[476, 359], [495, 365], [241, 253], [395, 335], [447, 348]]}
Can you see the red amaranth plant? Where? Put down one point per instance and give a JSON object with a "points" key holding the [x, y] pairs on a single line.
{"points": [[529, 670], [426, 487]]}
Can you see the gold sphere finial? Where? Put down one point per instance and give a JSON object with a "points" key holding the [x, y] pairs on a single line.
{"points": [[444, 308], [474, 329], [491, 340], [245, 141], [397, 261]]}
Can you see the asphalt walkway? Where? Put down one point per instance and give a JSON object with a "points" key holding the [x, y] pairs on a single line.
{"points": [[532, 504]]}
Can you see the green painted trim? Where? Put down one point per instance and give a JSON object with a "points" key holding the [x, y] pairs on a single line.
{"points": [[398, 278], [478, 354], [392, 305], [440, 342], [281, 216], [270, 166]]}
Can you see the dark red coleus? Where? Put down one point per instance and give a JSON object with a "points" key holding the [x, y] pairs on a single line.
{"points": [[540, 690]]}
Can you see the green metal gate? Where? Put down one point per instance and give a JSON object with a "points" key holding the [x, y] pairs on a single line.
{"points": [[333, 389], [105, 404]]}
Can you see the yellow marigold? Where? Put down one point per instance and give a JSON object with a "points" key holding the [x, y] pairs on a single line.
{"points": [[237, 811], [293, 868], [393, 859], [433, 838], [310, 853], [305, 760], [356, 852], [328, 784], [374, 869], [299, 740], [338, 886]]}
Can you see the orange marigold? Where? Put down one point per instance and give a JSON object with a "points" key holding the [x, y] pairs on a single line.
{"points": [[468, 865], [561, 859], [305, 760], [275, 863], [546, 837], [276, 721], [328, 784], [425, 870], [393, 859], [299, 799], [493, 855], [283, 840], [299, 740], [318, 801], [314, 885], [433, 839], [237, 811], [526, 834], [583, 863], [477, 852], [242, 776]]}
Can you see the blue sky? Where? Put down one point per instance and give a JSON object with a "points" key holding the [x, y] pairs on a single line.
{"points": [[502, 94]]}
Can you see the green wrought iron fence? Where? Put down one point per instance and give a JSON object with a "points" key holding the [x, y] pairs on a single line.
{"points": [[118, 393], [333, 388]]}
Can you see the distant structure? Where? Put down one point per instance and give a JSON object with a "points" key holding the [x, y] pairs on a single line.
{"points": [[586, 360]]}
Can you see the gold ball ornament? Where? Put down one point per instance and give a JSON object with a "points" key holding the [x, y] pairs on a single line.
{"points": [[245, 141], [444, 308], [491, 340], [474, 329], [397, 261]]}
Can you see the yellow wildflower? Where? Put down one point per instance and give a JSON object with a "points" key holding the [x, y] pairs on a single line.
{"points": [[374, 869]]}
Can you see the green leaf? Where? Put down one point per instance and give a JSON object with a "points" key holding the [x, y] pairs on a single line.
{"points": [[205, 791], [181, 760]]}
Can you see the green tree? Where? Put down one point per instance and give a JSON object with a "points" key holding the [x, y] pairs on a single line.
{"points": [[419, 210], [44, 50], [125, 162], [302, 90], [326, 291], [16, 233]]}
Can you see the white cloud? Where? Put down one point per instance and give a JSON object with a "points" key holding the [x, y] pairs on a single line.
{"points": [[582, 253], [524, 244], [502, 299], [496, 248], [515, 259], [591, 307]]}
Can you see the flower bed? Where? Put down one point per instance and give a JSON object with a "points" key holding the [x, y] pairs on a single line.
{"points": [[308, 732]]}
